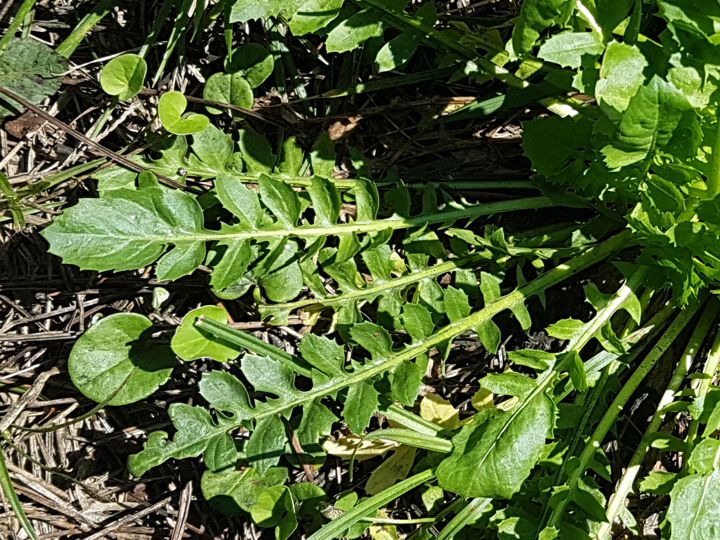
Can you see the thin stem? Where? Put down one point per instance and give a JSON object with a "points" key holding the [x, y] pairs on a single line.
{"points": [[22, 12], [618, 405], [336, 527], [84, 27], [15, 504], [702, 386], [469, 514], [705, 322], [713, 182]]}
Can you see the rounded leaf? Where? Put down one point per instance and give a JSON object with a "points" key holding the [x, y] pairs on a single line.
{"points": [[117, 362], [191, 343], [228, 88], [123, 76], [254, 62], [171, 107]]}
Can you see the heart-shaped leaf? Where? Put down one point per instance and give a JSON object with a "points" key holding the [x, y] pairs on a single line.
{"points": [[228, 88], [171, 107], [124, 76], [116, 361], [254, 62]]}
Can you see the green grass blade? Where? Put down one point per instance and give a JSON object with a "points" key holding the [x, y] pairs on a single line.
{"points": [[12, 497]]}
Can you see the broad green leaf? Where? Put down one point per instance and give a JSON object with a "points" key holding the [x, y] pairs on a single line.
{"points": [[123, 76], [256, 151], [266, 444], [234, 491], [354, 31], [224, 391], [323, 354], [532, 358], [621, 75], [254, 62], [313, 15], [274, 507], [694, 511], [570, 48], [553, 143], [658, 482], [233, 265], [230, 88], [417, 321], [565, 328], [326, 201], [283, 280], [373, 338], [117, 362], [322, 156], [292, 157], [190, 343], [535, 17], [360, 404], [456, 302], [280, 198], [705, 457], [508, 384], [494, 454], [171, 107], [247, 10], [396, 52], [30, 69], [406, 383], [180, 261], [240, 200], [647, 125]]}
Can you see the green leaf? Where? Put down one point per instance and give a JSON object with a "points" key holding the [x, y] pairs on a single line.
{"points": [[354, 31], [647, 125], [553, 143], [494, 454], [191, 343], [274, 507], [125, 231], [256, 151], [234, 491], [247, 10], [406, 383], [360, 404], [313, 15], [457, 305], [508, 384], [283, 281], [532, 358], [693, 510], [705, 457], [124, 76], [280, 198], [621, 75], [373, 338], [323, 354], [171, 107], [180, 261], [565, 328], [570, 48], [396, 52], [266, 444], [230, 88], [233, 265], [254, 62], [117, 362], [325, 201], [240, 200], [658, 482], [30, 69], [535, 17], [292, 157]]}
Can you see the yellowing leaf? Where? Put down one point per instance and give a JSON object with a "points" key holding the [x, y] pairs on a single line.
{"points": [[391, 471], [482, 399], [436, 409], [344, 448]]}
